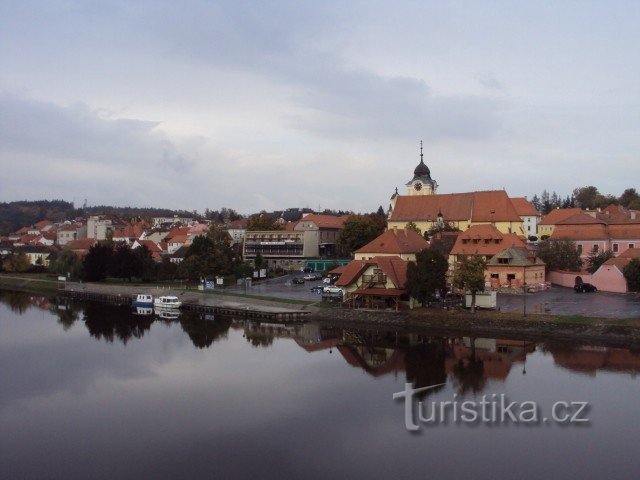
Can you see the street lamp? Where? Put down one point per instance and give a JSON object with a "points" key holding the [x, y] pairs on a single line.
{"points": [[524, 286]]}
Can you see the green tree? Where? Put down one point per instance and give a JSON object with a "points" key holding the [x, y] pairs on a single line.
{"points": [[124, 263], [95, 264], [414, 227], [148, 267], [469, 276], [426, 275], [16, 263], [208, 256], [596, 259], [262, 222], [632, 275], [258, 261], [560, 255], [441, 226], [359, 230], [586, 197], [629, 196], [67, 263]]}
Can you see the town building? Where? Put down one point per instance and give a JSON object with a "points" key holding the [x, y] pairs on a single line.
{"points": [[403, 243], [378, 282], [514, 267], [610, 276], [237, 229], [287, 249], [529, 215]]}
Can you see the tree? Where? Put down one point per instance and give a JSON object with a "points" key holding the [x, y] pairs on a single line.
{"points": [[596, 259], [95, 264], [17, 263], [67, 263], [262, 222], [148, 267], [208, 256], [426, 275], [124, 263], [629, 196], [535, 201], [441, 226], [469, 276], [414, 227], [560, 255], [359, 230], [380, 212], [258, 261], [586, 197], [632, 274]]}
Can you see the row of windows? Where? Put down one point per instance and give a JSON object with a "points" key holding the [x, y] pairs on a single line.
{"points": [[615, 247]]}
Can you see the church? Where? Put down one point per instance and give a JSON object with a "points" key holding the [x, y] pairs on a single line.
{"points": [[423, 206]]}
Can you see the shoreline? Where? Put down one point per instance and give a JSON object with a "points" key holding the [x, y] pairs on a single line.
{"points": [[623, 332]]}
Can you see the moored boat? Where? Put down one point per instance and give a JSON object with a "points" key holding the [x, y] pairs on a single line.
{"points": [[167, 301], [143, 300]]}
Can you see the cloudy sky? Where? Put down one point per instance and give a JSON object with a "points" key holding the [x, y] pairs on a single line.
{"points": [[266, 105]]}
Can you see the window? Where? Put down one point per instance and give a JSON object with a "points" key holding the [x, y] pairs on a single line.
{"points": [[632, 245], [615, 248], [596, 248], [503, 261], [580, 249], [495, 275]]}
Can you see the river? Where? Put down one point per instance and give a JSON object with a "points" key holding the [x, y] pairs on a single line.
{"points": [[93, 391]]}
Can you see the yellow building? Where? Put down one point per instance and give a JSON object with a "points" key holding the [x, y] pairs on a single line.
{"points": [[425, 208]]}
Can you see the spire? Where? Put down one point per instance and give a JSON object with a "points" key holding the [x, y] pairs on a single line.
{"points": [[421, 151]]}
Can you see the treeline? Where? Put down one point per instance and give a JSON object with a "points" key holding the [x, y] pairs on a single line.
{"points": [[14, 215], [207, 257], [585, 198]]}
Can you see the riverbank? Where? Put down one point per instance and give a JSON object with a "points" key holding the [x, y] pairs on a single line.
{"points": [[623, 333], [537, 327]]}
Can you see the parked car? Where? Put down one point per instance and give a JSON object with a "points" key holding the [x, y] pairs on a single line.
{"points": [[585, 288], [332, 289], [298, 281], [313, 276], [327, 280]]}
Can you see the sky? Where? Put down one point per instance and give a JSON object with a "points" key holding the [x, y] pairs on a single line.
{"points": [[268, 105]]}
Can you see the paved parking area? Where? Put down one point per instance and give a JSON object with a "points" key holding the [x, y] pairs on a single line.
{"points": [[564, 301], [555, 301], [282, 288]]}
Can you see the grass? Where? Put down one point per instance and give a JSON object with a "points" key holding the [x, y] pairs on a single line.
{"points": [[579, 319], [256, 297]]}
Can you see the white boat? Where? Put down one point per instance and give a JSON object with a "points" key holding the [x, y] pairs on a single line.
{"points": [[143, 300], [167, 301], [166, 314]]}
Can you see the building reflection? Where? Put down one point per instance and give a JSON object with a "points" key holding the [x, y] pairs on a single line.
{"points": [[591, 359]]}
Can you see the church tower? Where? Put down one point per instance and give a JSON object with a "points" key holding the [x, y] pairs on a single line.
{"points": [[422, 183]]}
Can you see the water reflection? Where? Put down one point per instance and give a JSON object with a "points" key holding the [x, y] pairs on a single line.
{"points": [[423, 359]]}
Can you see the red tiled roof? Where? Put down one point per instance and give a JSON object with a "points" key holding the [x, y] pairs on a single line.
{"points": [[239, 224], [581, 219], [151, 246], [43, 223], [81, 244], [489, 241], [394, 267], [524, 207], [487, 206], [397, 242], [178, 239], [624, 232], [580, 232], [325, 221], [559, 214], [624, 258], [68, 228]]}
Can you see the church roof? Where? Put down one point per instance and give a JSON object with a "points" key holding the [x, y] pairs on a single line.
{"points": [[486, 206], [396, 241]]}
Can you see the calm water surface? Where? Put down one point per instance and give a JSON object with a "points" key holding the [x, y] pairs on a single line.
{"points": [[92, 391]]}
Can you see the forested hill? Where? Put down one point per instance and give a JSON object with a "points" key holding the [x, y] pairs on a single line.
{"points": [[14, 215]]}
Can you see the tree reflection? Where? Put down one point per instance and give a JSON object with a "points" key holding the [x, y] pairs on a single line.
{"points": [[469, 372], [204, 332], [109, 322], [425, 366], [67, 312], [18, 302]]}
